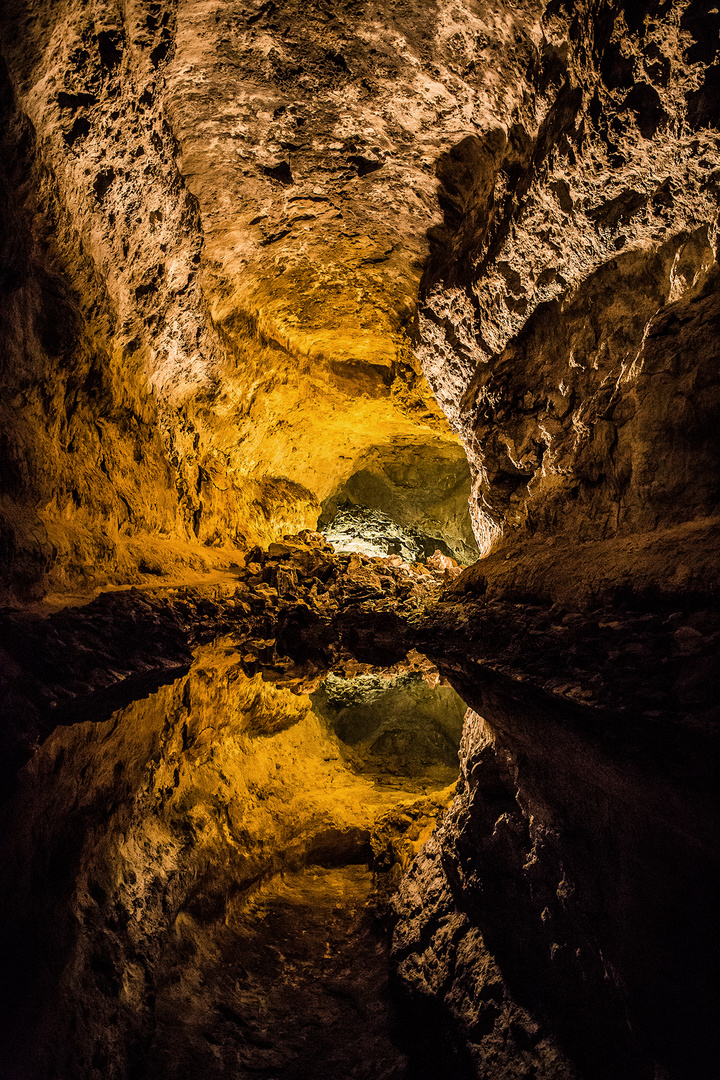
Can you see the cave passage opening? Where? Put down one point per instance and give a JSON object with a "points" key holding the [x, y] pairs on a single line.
{"points": [[406, 499], [372, 533]]}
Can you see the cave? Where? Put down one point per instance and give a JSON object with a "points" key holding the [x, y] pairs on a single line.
{"points": [[359, 540]]}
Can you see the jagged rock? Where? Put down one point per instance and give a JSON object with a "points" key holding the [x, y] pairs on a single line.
{"points": [[579, 255], [198, 244]]}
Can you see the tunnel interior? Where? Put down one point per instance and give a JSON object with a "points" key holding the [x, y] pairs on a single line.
{"points": [[359, 540], [415, 492]]}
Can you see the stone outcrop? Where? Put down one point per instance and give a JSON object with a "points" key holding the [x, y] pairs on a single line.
{"points": [[569, 303]]}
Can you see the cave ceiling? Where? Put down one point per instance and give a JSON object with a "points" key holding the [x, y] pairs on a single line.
{"points": [[219, 220], [230, 203]]}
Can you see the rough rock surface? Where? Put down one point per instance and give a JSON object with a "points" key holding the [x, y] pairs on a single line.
{"points": [[213, 235], [216, 223], [568, 322], [421, 490], [356, 528]]}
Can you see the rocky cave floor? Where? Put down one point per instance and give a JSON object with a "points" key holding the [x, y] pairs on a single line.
{"points": [[297, 611], [222, 784]]}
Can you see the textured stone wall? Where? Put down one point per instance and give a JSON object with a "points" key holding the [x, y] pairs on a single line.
{"points": [[569, 327], [563, 304], [231, 204], [81, 450]]}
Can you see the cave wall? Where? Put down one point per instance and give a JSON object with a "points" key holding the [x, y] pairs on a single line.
{"points": [[81, 448], [102, 476], [218, 216], [569, 324], [579, 249]]}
